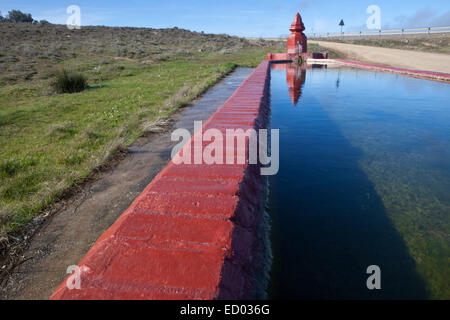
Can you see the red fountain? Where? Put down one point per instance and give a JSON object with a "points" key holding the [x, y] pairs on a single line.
{"points": [[296, 52], [296, 42], [297, 45]]}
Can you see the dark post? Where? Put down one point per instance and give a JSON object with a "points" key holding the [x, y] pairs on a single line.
{"points": [[341, 24]]}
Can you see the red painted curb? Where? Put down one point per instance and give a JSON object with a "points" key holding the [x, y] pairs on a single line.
{"points": [[193, 232], [414, 73]]}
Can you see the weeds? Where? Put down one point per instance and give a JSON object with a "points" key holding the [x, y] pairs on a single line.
{"points": [[69, 82]]}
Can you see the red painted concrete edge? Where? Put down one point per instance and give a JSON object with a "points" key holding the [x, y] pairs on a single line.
{"points": [[285, 57], [414, 73], [193, 232]]}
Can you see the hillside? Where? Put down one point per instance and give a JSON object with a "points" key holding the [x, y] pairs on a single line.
{"points": [[30, 51]]}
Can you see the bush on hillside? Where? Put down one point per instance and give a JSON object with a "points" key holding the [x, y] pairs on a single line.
{"points": [[69, 82], [19, 16]]}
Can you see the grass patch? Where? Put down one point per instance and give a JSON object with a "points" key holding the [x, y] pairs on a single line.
{"points": [[10, 167]]}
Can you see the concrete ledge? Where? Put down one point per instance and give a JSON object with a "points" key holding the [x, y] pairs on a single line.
{"points": [[286, 57], [193, 232], [321, 61], [414, 73], [278, 56]]}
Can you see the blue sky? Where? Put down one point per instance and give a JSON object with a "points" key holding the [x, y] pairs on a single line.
{"points": [[255, 18]]}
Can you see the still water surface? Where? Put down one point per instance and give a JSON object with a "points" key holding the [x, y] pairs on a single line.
{"points": [[364, 180]]}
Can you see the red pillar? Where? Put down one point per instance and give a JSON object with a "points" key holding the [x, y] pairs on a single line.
{"points": [[296, 43]]}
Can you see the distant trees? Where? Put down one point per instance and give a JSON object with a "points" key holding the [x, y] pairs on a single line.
{"points": [[18, 16]]}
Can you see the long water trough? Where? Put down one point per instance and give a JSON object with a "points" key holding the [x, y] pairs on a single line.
{"points": [[363, 180]]}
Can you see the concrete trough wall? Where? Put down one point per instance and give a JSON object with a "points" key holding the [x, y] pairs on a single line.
{"points": [[193, 232]]}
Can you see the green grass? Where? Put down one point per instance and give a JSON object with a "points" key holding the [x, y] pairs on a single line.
{"points": [[50, 142]]}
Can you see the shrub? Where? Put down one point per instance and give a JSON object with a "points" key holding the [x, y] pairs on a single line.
{"points": [[19, 16], [69, 82]]}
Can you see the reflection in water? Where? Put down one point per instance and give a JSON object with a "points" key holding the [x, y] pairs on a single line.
{"points": [[364, 180], [296, 77], [338, 81]]}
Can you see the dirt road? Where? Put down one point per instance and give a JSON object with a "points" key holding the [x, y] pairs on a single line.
{"points": [[391, 57]]}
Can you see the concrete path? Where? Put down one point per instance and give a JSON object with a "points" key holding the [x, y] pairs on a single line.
{"points": [[392, 57]]}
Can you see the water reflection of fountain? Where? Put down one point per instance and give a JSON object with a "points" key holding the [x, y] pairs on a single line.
{"points": [[338, 81], [296, 77]]}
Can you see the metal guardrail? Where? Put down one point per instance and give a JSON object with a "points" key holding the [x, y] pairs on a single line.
{"points": [[404, 31]]}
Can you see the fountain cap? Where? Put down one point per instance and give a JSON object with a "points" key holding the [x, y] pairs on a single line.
{"points": [[297, 25]]}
